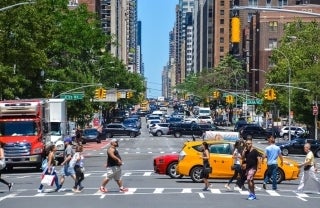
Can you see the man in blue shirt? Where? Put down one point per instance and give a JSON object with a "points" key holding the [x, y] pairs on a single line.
{"points": [[272, 153]]}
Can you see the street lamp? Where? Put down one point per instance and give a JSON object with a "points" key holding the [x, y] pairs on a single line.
{"points": [[289, 86]]}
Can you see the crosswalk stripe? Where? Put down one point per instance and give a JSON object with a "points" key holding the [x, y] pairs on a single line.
{"points": [[158, 190], [272, 193], [147, 173], [186, 190], [131, 191], [215, 191]]}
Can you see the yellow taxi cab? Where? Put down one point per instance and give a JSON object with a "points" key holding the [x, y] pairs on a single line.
{"points": [[190, 162]]}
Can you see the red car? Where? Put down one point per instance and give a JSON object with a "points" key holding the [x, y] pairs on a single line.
{"points": [[166, 164]]}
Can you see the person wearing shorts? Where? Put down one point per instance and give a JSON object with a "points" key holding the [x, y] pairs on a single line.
{"points": [[251, 157], [114, 163], [66, 169]]}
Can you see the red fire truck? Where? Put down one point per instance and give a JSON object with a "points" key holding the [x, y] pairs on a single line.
{"points": [[22, 129]]}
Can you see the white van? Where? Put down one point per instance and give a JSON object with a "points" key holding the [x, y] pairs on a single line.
{"points": [[204, 112]]}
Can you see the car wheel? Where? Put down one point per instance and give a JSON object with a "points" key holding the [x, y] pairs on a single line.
{"points": [[317, 154], [132, 134], [109, 135], [177, 134], [285, 152], [159, 133], [280, 176], [171, 170], [196, 173]]}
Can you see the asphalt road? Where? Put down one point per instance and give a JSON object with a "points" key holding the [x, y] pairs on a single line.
{"points": [[146, 189]]}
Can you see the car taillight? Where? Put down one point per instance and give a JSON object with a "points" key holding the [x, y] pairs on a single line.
{"points": [[182, 155]]}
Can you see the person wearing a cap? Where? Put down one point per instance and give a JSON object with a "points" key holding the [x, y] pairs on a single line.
{"points": [[68, 154], [114, 163]]}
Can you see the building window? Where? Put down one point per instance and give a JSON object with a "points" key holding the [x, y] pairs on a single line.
{"points": [[273, 26], [273, 43], [221, 3], [250, 16], [222, 12], [221, 40], [221, 21], [221, 49], [221, 30], [253, 3], [283, 3]]}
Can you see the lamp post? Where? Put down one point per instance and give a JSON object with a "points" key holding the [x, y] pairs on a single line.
{"points": [[289, 88]]}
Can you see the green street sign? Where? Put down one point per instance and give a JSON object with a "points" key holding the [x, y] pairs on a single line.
{"points": [[254, 102], [73, 96]]}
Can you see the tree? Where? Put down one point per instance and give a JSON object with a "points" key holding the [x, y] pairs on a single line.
{"points": [[299, 55]]}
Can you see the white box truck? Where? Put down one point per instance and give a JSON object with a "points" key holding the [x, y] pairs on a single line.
{"points": [[57, 124]]}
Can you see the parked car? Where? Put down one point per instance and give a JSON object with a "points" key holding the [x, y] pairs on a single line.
{"points": [[296, 146], [239, 124], [118, 129], [190, 164], [284, 132], [90, 135], [255, 132], [166, 165], [159, 129]]}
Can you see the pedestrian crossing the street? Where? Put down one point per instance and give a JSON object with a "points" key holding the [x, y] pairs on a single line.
{"points": [[25, 193], [92, 190]]}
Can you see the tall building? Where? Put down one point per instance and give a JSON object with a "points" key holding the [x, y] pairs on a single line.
{"points": [[262, 30], [119, 19], [211, 25]]}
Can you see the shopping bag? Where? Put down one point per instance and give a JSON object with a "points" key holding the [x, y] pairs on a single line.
{"points": [[47, 180]]}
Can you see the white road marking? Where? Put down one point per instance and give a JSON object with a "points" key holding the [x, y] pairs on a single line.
{"points": [[215, 191], [201, 195], [272, 193], [186, 190], [147, 173], [158, 190]]}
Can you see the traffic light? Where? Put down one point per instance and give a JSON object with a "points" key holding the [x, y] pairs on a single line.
{"points": [[215, 94], [267, 94], [231, 100], [127, 94], [98, 93], [228, 99], [104, 93], [218, 94]]}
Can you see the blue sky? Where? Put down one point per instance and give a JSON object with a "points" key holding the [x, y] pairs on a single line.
{"points": [[157, 18]]}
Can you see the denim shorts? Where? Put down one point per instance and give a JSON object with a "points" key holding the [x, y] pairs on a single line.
{"points": [[67, 170]]}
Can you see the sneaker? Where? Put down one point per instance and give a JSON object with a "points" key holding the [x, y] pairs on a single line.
{"points": [[74, 189], [81, 188], [264, 186], [252, 197], [40, 191], [123, 189], [103, 190], [227, 187], [10, 185]]}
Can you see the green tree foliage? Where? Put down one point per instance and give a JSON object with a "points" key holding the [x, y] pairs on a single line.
{"points": [[298, 57], [48, 40]]}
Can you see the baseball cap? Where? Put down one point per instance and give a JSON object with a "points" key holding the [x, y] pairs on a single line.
{"points": [[68, 139]]}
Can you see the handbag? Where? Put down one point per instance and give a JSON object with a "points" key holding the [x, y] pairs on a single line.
{"points": [[208, 170], [2, 164], [47, 180]]}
